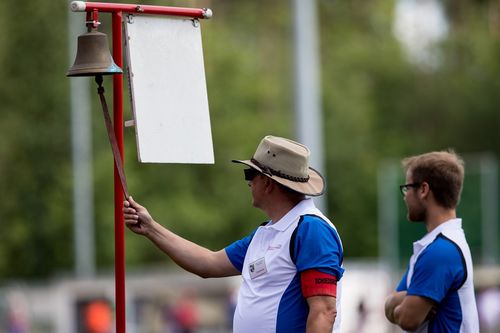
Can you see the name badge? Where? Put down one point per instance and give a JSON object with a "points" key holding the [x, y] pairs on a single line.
{"points": [[257, 268]]}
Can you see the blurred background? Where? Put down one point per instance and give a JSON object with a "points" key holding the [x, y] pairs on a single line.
{"points": [[387, 79]]}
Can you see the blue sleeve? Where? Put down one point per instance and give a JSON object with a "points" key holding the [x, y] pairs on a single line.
{"points": [[318, 247], [438, 269], [237, 251], [402, 284]]}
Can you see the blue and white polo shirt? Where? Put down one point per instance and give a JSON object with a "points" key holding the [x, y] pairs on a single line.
{"points": [[270, 297], [441, 269]]}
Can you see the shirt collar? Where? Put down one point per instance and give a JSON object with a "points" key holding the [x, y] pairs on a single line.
{"points": [[292, 215], [429, 237]]}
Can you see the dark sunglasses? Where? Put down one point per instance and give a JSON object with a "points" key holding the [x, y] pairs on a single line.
{"points": [[250, 174]]}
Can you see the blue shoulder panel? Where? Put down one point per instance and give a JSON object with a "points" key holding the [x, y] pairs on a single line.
{"points": [[315, 244]]}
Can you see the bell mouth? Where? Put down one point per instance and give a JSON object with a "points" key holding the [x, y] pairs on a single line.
{"points": [[88, 70]]}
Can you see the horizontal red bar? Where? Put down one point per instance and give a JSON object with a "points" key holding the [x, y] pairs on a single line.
{"points": [[83, 6]]}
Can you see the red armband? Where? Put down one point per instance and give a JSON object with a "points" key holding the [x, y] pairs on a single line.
{"points": [[316, 283]]}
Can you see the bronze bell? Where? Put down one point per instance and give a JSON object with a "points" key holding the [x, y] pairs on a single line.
{"points": [[93, 57]]}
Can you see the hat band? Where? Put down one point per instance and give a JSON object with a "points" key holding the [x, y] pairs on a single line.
{"points": [[273, 172]]}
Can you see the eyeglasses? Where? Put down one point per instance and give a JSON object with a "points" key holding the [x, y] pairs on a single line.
{"points": [[404, 188], [250, 174]]}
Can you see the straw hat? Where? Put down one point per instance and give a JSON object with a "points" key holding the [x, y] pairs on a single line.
{"points": [[286, 162]]}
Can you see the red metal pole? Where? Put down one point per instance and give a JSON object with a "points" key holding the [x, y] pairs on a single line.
{"points": [[119, 196]]}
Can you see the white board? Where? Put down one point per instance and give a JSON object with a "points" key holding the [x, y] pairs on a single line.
{"points": [[168, 90]]}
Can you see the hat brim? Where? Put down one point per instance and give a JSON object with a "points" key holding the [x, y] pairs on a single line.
{"points": [[315, 186]]}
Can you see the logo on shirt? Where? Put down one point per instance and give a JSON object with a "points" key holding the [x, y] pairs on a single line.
{"points": [[274, 247]]}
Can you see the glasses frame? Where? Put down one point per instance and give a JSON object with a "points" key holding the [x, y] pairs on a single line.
{"points": [[405, 187]]}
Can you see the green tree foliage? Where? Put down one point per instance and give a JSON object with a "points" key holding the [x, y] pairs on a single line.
{"points": [[34, 152], [376, 105]]}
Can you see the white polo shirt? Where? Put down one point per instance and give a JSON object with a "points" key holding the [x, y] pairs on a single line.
{"points": [[270, 297], [441, 269]]}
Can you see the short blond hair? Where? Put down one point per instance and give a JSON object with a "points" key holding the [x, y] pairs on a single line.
{"points": [[442, 170]]}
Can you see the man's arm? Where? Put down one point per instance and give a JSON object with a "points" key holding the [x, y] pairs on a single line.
{"points": [[392, 301], [407, 311], [320, 291], [322, 314], [188, 255]]}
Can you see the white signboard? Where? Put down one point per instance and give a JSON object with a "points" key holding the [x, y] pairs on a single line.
{"points": [[168, 90]]}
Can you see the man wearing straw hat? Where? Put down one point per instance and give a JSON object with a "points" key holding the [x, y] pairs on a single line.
{"points": [[291, 265]]}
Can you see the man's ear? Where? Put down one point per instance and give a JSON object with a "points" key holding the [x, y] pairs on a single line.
{"points": [[424, 189], [269, 184], [267, 181]]}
